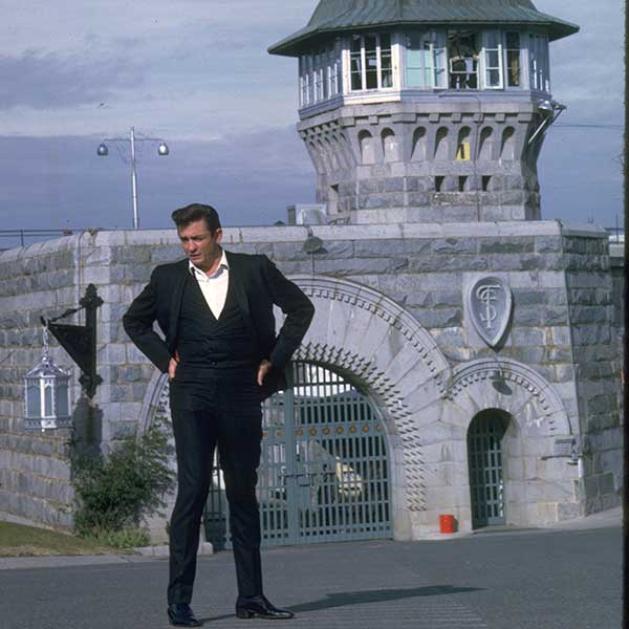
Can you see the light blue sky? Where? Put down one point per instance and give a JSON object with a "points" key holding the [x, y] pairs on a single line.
{"points": [[196, 73]]}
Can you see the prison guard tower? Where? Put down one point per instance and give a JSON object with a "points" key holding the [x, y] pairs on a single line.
{"points": [[425, 110]]}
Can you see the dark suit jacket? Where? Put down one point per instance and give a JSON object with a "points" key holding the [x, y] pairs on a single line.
{"points": [[257, 284]]}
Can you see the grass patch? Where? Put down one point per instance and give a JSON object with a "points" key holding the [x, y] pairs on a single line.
{"points": [[126, 538], [17, 540]]}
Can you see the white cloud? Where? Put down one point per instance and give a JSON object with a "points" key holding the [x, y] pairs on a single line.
{"points": [[190, 68], [198, 70], [52, 81]]}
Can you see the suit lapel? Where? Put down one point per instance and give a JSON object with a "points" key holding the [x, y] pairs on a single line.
{"points": [[237, 284], [182, 274]]}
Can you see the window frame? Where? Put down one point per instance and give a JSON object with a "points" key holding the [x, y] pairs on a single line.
{"points": [[484, 67], [426, 62], [477, 61], [538, 62], [521, 60], [320, 75], [432, 46], [361, 37], [333, 71]]}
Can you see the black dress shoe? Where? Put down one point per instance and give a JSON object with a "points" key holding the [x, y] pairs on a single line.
{"points": [[260, 607], [180, 615]]}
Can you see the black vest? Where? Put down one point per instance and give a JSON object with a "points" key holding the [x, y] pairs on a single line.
{"points": [[204, 340]]}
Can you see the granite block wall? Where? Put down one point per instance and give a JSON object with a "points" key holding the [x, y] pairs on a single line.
{"points": [[35, 469], [594, 292], [562, 326]]}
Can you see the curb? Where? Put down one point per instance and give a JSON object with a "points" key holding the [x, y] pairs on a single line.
{"points": [[205, 549]]}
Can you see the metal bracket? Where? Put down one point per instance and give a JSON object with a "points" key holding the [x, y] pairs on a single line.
{"points": [[80, 340]]}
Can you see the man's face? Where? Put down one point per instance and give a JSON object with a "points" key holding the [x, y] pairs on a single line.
{"points": [[200, 244]]}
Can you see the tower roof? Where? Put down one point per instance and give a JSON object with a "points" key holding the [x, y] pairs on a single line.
{"points": [[336, 16]]}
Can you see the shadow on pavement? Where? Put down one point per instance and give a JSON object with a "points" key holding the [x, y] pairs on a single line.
{"points": [[342, 599]]}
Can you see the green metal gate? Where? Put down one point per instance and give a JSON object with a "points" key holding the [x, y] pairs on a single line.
{"points": [[484, 447], [324, 473]]}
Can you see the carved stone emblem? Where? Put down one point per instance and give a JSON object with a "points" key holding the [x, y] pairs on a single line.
{"points": [[489, 303]]}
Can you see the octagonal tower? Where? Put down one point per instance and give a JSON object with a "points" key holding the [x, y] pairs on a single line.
{"points": [[424, 110]]}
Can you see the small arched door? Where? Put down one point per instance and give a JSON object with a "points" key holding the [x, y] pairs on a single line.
{"points": [[324, 471], [485, 458]]}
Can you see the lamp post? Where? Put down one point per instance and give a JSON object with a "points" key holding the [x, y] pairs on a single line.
{"points": [[162, 150], [550, 110]]}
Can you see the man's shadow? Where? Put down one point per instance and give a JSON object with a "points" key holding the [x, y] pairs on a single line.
{"points": [[346, 599]]}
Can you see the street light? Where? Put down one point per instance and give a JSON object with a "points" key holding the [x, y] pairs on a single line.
{"points": [[46, 394], [162, 150], [550, 110]]}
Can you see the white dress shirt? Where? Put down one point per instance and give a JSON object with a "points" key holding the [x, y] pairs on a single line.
{"points": [[214, 287]]}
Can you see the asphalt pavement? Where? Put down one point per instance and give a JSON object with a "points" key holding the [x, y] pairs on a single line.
{"points": [[563, 577]]}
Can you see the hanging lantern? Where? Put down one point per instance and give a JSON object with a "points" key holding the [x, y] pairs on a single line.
{"points": [[46, 394]]}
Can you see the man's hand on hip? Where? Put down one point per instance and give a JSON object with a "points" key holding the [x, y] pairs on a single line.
{"points": [[172, 366], [263, 370]]}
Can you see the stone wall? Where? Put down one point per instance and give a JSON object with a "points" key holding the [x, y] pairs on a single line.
{"points": [[560, 330], [597, 364], [617, 263], [34, 467], [402, 162]]}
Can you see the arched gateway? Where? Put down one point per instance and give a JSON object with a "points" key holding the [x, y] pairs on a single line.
{"points": [[324, 472], [367, 366], [367, 369], [486, 466]]}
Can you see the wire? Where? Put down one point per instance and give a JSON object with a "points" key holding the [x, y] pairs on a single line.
{"points": [[589, 126]]}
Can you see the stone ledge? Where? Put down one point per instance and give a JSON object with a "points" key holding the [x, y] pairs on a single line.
{"points": [[587, 230], [299, 233]]}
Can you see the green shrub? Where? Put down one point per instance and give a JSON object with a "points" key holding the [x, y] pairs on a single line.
{"points": [[114, 492]]}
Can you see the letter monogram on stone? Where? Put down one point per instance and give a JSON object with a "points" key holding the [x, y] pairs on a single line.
{"points": [[489, 303]]}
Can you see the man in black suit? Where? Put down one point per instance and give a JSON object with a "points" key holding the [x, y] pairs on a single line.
{"points": [[223, 358]]}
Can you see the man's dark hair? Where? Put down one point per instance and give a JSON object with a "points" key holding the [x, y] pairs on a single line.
{"points": [[195, 212]]}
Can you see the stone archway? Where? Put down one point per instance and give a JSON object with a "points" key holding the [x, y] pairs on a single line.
{"points": [[485, 438], [359, 331], [362, 333], [513, 387], [537, 484]]}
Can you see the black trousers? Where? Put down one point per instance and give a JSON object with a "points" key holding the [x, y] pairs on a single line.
{"points": [[215, 408]]}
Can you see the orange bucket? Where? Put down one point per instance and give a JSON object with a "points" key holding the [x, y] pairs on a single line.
{"points": [[447, 524]]}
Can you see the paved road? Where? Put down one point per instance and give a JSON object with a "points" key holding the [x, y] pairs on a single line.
{"points": [[536, 579]]}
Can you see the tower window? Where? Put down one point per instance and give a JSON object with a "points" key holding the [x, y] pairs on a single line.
{"points": [[513, 60], [371, 57], [539, 70], [386, 61], [492, 49], [463, 60], [319, 85], [439, 183], [319, 76], [462, 184], [425, 60], [371, 62]]}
